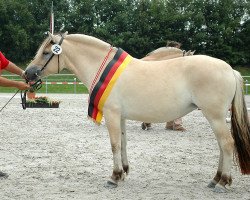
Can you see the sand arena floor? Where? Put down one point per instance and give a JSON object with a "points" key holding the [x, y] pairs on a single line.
{"points": [[60, 154]]}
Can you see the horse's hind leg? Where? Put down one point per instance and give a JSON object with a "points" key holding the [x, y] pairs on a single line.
{"points": [[226, 145], [125, 164], [217, 177]]}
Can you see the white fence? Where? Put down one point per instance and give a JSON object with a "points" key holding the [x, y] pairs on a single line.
{"points": [[53, 80], [73, 81]]}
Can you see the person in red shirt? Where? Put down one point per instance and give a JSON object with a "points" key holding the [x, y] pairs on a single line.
{"points": [[5, 64]]}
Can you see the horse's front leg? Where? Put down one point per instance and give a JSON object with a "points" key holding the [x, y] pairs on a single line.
{"points": [[125, 164], [113, 122]]}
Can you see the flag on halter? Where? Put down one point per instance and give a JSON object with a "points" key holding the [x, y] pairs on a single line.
{"points": [[52, 20], [105, 84]]}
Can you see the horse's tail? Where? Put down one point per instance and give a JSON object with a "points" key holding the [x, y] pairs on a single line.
{"points": [[240, 127]]}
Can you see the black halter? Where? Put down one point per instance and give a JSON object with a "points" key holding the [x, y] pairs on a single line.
{"points": [[52, 55]]}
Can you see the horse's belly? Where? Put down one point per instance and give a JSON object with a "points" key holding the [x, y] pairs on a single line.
{"points": [[150, 109], [162, 116]]}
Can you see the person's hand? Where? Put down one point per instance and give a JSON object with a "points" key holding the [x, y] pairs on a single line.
{"points": [[22, 85]]}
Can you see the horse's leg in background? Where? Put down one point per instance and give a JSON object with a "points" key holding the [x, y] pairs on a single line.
{"points": [[125, 164], [113, 122], [226, 145], [145, 126]]}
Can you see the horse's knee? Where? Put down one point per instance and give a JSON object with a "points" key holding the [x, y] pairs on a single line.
{"points": [[115, 148]]}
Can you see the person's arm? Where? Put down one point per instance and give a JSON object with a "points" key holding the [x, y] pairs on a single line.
{"points": [[17, 84], [15, 69]]}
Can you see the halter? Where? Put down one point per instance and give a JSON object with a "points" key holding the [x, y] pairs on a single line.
{"points": [[51, 56], [38, 84]]}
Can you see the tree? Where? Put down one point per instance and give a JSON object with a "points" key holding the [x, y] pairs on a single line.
{"points": [[219, 28]]}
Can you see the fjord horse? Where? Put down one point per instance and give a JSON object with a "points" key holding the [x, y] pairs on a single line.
{"points": [[119, 86], [164, 53]]}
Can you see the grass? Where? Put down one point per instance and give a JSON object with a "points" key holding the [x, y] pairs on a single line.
{"points": [[69, 89], [245, 71]]}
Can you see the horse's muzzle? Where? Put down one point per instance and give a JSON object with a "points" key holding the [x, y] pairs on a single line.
{"points": [[33, 73]]}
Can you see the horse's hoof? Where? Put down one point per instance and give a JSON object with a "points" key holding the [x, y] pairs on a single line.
{"points": [[110, 185], [146, 126], [143, 126], [220, 189], [212, 184]]}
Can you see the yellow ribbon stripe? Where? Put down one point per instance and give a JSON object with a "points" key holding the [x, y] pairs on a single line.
{"points": [[110, 86]]}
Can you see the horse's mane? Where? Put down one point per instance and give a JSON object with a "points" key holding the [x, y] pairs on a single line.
{"points": [[73, 37], [168, 50], [42, 46], [86, 38]]}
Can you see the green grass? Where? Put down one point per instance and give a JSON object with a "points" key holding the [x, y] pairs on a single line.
{"points": [[245, 71], [70, 89]]}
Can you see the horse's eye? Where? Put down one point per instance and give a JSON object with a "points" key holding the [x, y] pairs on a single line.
{"points": [[45, 53]]}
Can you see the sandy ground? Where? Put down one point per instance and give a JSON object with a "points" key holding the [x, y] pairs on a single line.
{"points": [[60, 154]]}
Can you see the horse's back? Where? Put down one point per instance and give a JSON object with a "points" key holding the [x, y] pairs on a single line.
{"points": [[172, 88]]}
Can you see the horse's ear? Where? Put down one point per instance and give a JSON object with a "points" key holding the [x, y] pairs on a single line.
{"points": [[66, 33], [188, 53], [51, 37], [192, 52]]}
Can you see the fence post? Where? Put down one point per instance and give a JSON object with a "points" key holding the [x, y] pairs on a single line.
{"points": [[46, 86], [75, 85], [246, 87]]}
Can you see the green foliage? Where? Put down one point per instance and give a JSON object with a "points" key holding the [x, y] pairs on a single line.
{"points": [[220, 28]]}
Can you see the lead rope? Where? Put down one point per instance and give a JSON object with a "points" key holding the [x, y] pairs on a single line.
{"points": [[9, 100]]}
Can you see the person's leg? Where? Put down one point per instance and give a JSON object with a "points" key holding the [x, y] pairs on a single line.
{"points": [[145, 126], [177, 125], [170, 125]]}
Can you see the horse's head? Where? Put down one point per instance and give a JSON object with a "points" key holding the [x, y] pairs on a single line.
{"points": [[47, 59], [189, 53]]}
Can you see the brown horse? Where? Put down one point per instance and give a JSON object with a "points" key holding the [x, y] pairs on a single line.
{"points": [[119, 86]]}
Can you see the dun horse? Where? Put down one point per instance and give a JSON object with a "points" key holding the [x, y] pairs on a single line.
{"points": [[119, 87], [164, 53]]}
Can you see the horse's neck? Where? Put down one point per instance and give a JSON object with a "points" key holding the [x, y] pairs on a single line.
{"points": [[84, 58]]}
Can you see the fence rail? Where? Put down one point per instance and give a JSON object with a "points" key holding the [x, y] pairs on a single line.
{"points": [[54, 80]]}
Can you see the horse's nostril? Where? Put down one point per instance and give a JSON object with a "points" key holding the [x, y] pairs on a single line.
{"points": [[38, 72], [32, 73]]}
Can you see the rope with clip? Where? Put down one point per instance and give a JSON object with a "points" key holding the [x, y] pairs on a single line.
{"points": [[34, 87], [9, 100]]}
